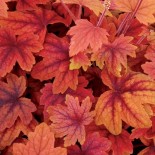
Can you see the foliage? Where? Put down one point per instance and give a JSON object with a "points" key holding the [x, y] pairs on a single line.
{"points": [[77, 77]]}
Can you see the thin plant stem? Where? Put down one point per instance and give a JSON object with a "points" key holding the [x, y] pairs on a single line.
{"points": [[132, 16], [140, 39], [101, 18], [80, 12], [68, 10]]}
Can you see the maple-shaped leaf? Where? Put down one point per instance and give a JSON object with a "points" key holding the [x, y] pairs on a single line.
{"points": [[114, 54], [3, 9], [17, 48], [29, 4], [125, 101], [95, 5], [8, 135], [80, 60], [70, 121], [84, 34], [34, 21], [56, 64], [144, 13], [149, 67], [12, 105], [94, 145], [48, 98], [40, 142]]}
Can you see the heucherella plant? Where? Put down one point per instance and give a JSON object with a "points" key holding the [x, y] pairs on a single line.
{"points": [[77, 77]]}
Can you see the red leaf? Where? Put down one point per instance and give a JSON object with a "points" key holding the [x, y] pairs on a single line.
{"points": [[121, 144], [31, 21], [41, 141], [56, 64], [29, 4], [125, 101], [48, 98], [12, 104], [114, 55], [18, 49], [85, 34], [94, 145], [70, 121]]}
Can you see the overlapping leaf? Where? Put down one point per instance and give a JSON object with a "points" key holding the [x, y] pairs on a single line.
{"points": [[94, 145], [56, 64], [94, 5], [10, 134], [70, 121], [12, 105], [48, 98], [29, 4], [17, 49], [114, 54], [41, 141], [85, 34], [31, 21], [149, 67], [144, 13], [125, 101]]}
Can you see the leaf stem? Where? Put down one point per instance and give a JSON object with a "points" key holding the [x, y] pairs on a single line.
{"points": [[132, 16], [80, 12], [107, 4], [68, 10]]}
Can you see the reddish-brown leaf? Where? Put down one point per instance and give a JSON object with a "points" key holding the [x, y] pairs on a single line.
{"points": [[31, 21], [149, 67], [125, 101], [94, 145], [85, 34], [114, 54], [56, 64], [40, 142], [70, 121], [48, 98], [12, 105], [94, 5], [17, 48], [29, 4]]}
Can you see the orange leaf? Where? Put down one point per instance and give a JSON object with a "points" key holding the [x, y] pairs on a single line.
{"points": [[85, 34], [56, 64], [17, 48], [70, 121], [144, 13], [114, 55], [79, 60], [12, 104], [125, 101], [10, 134], [94, 5], [41, 141], [31, 21], [3, 8]]}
